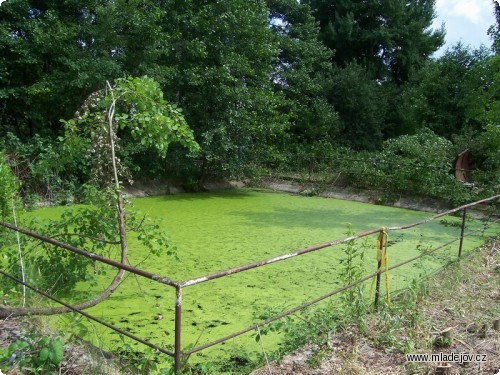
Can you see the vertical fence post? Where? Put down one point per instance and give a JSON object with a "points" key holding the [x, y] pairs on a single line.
{"points": [[377, 285], [178, 325], [380, 246], [381, 261], [462, 233]]}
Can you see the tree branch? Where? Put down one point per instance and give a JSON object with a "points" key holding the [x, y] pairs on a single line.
{"points": [[5, 312]]}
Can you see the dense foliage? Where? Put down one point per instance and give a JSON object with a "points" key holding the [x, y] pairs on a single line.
{"points": [[259, 83], [101, 223], [390, 39], [348, 90]]}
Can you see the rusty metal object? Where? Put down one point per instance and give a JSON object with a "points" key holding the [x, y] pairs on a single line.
{"points": [[178, 330], [462, 229], [178, 354], [461, 167], [92, 256], [88, 316]]}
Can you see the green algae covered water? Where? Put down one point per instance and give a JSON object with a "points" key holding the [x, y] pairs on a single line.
{"points": [[217, 231]]}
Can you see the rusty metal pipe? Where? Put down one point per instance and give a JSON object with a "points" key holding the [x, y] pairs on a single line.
{"points": [[314, 301], [462, 233], [88, 316], [178, 330], [319, 299], [465, 206], [279, 258], [92, 256]]}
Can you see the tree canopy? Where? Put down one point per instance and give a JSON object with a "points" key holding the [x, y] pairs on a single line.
{"points": [[389, 38], [256, 80]]}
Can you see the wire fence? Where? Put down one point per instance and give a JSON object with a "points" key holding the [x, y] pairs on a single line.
{"points": [[178, 354]]}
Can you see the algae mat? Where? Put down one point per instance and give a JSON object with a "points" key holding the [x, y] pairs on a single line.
{"points": [[217, 231]]}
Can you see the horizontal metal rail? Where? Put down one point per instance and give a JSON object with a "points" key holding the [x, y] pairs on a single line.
{"points": [[294, 254], [465, 206], [88, 316], [312, 302], [325, 296], [274, 259], [92, 256]]}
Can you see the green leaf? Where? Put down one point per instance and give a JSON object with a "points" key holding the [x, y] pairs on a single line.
{"points": [[44, 354], [56, 351]]}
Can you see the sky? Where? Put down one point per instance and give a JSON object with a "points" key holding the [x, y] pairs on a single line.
{"points": [[466, 21]]}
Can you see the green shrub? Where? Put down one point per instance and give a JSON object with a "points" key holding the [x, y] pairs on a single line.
{"points": [[35, 354], [8, 188], [417, 164], [48, 170]]}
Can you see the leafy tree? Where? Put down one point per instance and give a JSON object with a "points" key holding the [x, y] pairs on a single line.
{"points": [[55, 53], [390, 39], [49, 62], [361, 106], [221, 66], [483, 91], [494, 30], [483, 110], [449, 95], [302, 73], [486, 158], [213, 58], [135, 104], [45, 168], [8, 188], [377, 46]]}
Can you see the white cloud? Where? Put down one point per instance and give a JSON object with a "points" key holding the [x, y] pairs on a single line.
{"points": [[475, 11], [443, 6], [469, 10], [1, 1], [466, 21]]}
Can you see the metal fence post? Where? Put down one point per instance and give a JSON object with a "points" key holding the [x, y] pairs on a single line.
{"points": [[377, 285], [462, 233], [178, 325]]}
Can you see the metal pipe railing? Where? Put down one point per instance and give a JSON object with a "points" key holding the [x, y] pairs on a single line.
{"points": [[88, 316], [76, 250], [314, 301], [179, 285], [282, 257]]}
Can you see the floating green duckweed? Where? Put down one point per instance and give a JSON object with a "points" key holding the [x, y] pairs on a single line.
{"points": [[217, 231]]}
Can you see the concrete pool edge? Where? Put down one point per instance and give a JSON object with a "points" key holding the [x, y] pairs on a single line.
{"points": [[308, 188]]}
